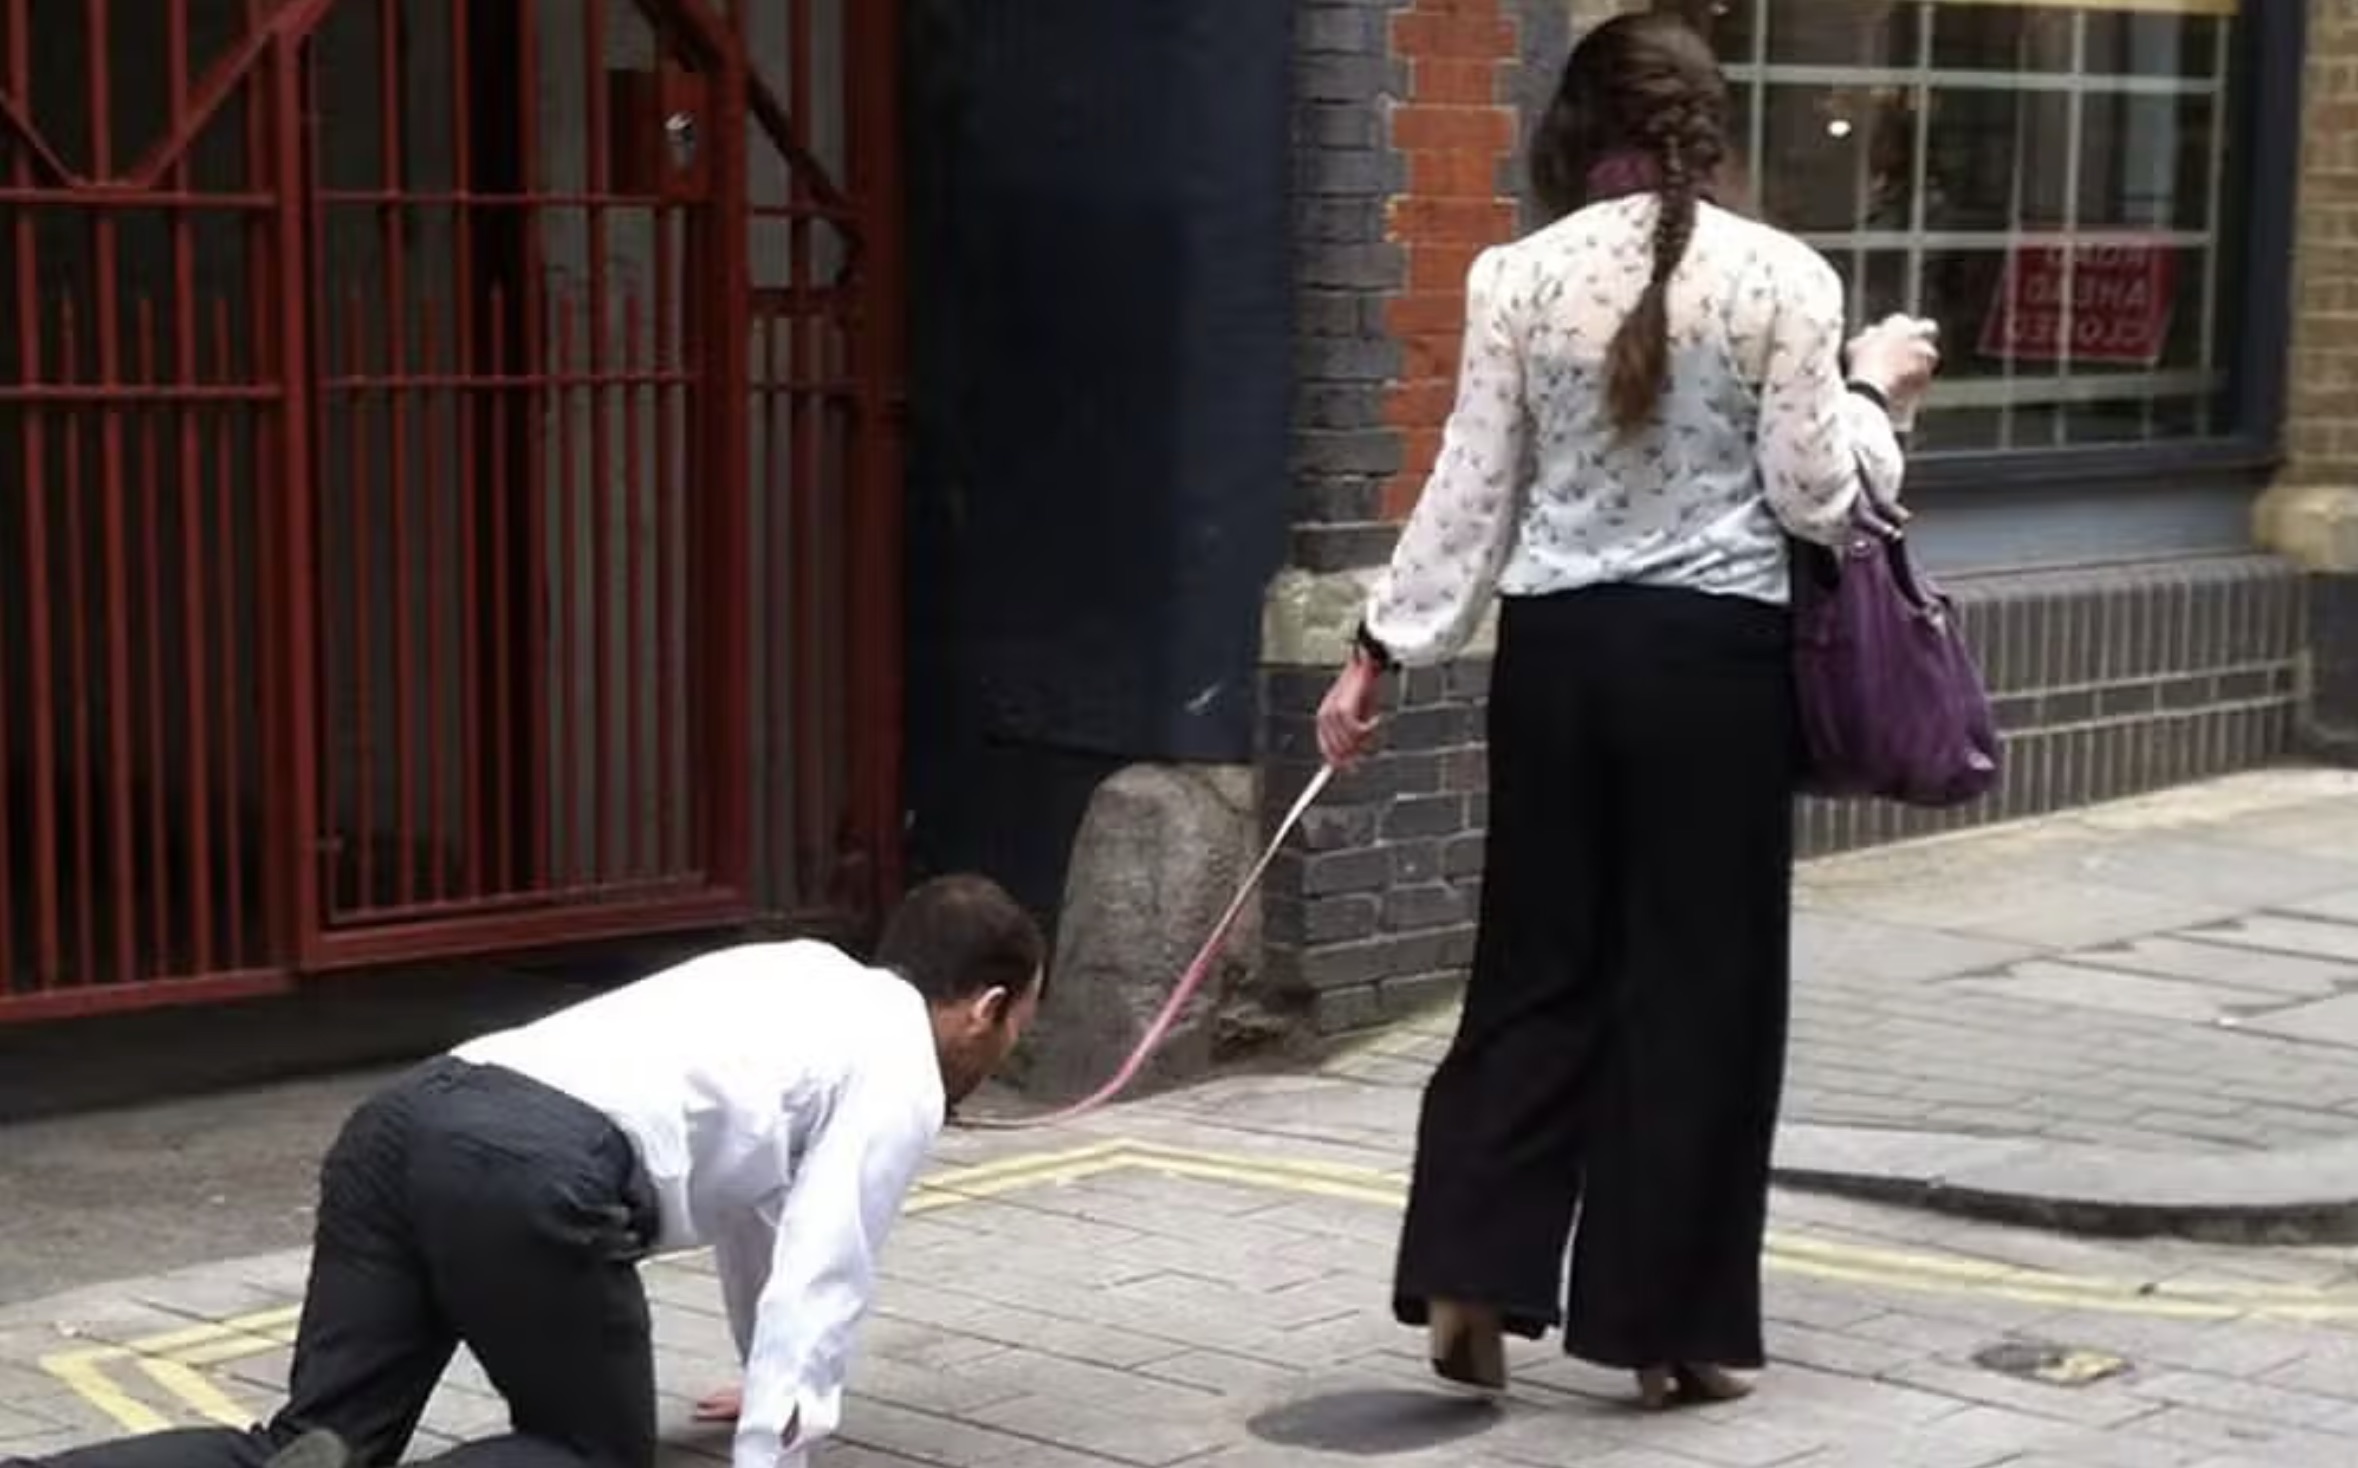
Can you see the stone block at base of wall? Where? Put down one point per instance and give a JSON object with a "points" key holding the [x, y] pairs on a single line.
{"points": [[2109, 682], [1159, 854]]}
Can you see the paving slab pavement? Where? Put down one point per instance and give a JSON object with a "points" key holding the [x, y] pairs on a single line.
{"points": [[2141, 1017], [1149, 1289], [2178, 973], [1200, 1278]]}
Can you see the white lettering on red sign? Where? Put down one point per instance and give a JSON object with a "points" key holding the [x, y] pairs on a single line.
{"points": [[2120, 303]]}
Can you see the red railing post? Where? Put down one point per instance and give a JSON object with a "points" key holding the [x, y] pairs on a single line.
{"points": [[726, 633], [290, 692], [877, 655]]}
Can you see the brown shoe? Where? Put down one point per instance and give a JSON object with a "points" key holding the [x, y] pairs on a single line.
{"points": [[1468, 1346], [1662, 1387]]}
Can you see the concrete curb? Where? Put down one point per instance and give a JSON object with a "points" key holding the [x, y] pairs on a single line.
{"points": [[2304, 1195]]}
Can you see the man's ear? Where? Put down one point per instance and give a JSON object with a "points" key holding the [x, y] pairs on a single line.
{"points": [[993, 1006]]}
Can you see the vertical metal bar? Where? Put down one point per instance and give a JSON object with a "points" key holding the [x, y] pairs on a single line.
{"points": [[565, 630], [77, 548], [225, 546], [698, 467], [112, 471], [192, 531], [598, 750], [32, 489], [11, 819], [532, 345], [2017, 261], [668, 481], [470, 405], [784, 813], [807, 622], [159, 877], [1759, 120], [502, 649], [726, 496], [364, 644], [41, 712], [2077, 132], [1920, 171], [432, 420], [397, 393], [875, 646], [261, 174], [290, 695], [2214, 228], [632, 706]]}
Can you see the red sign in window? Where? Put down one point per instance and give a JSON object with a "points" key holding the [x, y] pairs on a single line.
{"points": [[2121, 299]]}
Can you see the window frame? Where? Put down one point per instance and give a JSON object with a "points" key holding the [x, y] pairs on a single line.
{"points": [[2266, 70]]}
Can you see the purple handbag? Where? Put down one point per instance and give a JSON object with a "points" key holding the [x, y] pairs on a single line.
{"points": [[1892, 702]]}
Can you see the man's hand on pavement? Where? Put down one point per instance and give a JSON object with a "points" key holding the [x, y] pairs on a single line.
{"points": [[722, 1405]]}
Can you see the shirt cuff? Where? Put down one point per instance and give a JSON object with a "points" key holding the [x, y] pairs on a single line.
{"points": [[1871, 393]]}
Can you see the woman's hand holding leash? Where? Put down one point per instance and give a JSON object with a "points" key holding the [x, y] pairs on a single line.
{"points": [[1347, 717]]}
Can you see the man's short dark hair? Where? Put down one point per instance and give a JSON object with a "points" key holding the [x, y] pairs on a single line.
{"points": [[956, 937]]}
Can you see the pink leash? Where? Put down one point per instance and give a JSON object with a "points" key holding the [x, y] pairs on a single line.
{"points": [[1189, 982]]}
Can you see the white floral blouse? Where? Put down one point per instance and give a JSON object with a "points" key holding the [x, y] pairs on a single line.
{"points": [[1535, 492]]}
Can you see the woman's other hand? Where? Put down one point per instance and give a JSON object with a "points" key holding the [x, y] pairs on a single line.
{"points": [[1347, 717], [1897, 356]]}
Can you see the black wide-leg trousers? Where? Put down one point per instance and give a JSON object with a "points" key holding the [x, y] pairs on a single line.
{"points": [[1622, 1047], [463, 1204]]}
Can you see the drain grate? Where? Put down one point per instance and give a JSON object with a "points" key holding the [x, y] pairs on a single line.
{"points": [[2053, 1365]]}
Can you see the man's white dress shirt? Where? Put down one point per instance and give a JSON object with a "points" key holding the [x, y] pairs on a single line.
{"points": [[782, 1097]]}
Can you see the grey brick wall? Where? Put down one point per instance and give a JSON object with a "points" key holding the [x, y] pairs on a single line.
{"points": [[1347, 269], [1371, 913], [2108, 683]]}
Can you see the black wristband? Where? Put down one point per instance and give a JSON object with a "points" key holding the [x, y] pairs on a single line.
{"points": [[1377, 653], [1872, 394]]}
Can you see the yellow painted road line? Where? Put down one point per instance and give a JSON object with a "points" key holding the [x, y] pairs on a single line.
{"points": [[81, 1371], [196, 1391], [1026, 1162], [1148, 1152], [934, 1198], [236, 1349], [260, 1327], [1967, 1267], [1800, 1254]]}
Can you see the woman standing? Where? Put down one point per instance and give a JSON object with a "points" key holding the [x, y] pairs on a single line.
{"points": [[1652, 397]]}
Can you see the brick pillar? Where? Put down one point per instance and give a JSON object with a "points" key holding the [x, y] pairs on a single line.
{"points": [[1455, 131], [1347, 268], [1409, 133], [1413, 116], [2311, 515]]}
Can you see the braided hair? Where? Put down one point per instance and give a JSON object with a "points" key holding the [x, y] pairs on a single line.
{"points": [[1647, 84]]}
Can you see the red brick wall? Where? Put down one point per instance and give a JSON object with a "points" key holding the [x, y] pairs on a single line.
{"points": [[1454, 130]]}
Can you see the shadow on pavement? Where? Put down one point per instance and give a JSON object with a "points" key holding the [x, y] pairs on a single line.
{"points": [[1375, 1423]]}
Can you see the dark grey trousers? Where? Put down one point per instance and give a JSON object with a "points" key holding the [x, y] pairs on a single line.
{"points": [[463, 1204]]}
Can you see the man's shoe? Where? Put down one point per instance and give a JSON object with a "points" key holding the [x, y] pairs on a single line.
{"points": [[318, 1448]]}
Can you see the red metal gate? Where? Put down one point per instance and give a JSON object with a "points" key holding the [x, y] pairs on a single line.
{"points": [[405, 399]]}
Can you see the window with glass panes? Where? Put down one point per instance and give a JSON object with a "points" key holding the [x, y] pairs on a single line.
{"points": [[2048, 180]]}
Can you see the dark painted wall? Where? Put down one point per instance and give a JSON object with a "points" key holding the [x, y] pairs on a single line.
{"points": [[1099, 404]]}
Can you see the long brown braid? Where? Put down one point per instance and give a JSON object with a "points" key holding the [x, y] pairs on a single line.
{"points": [[1649, 84]]}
